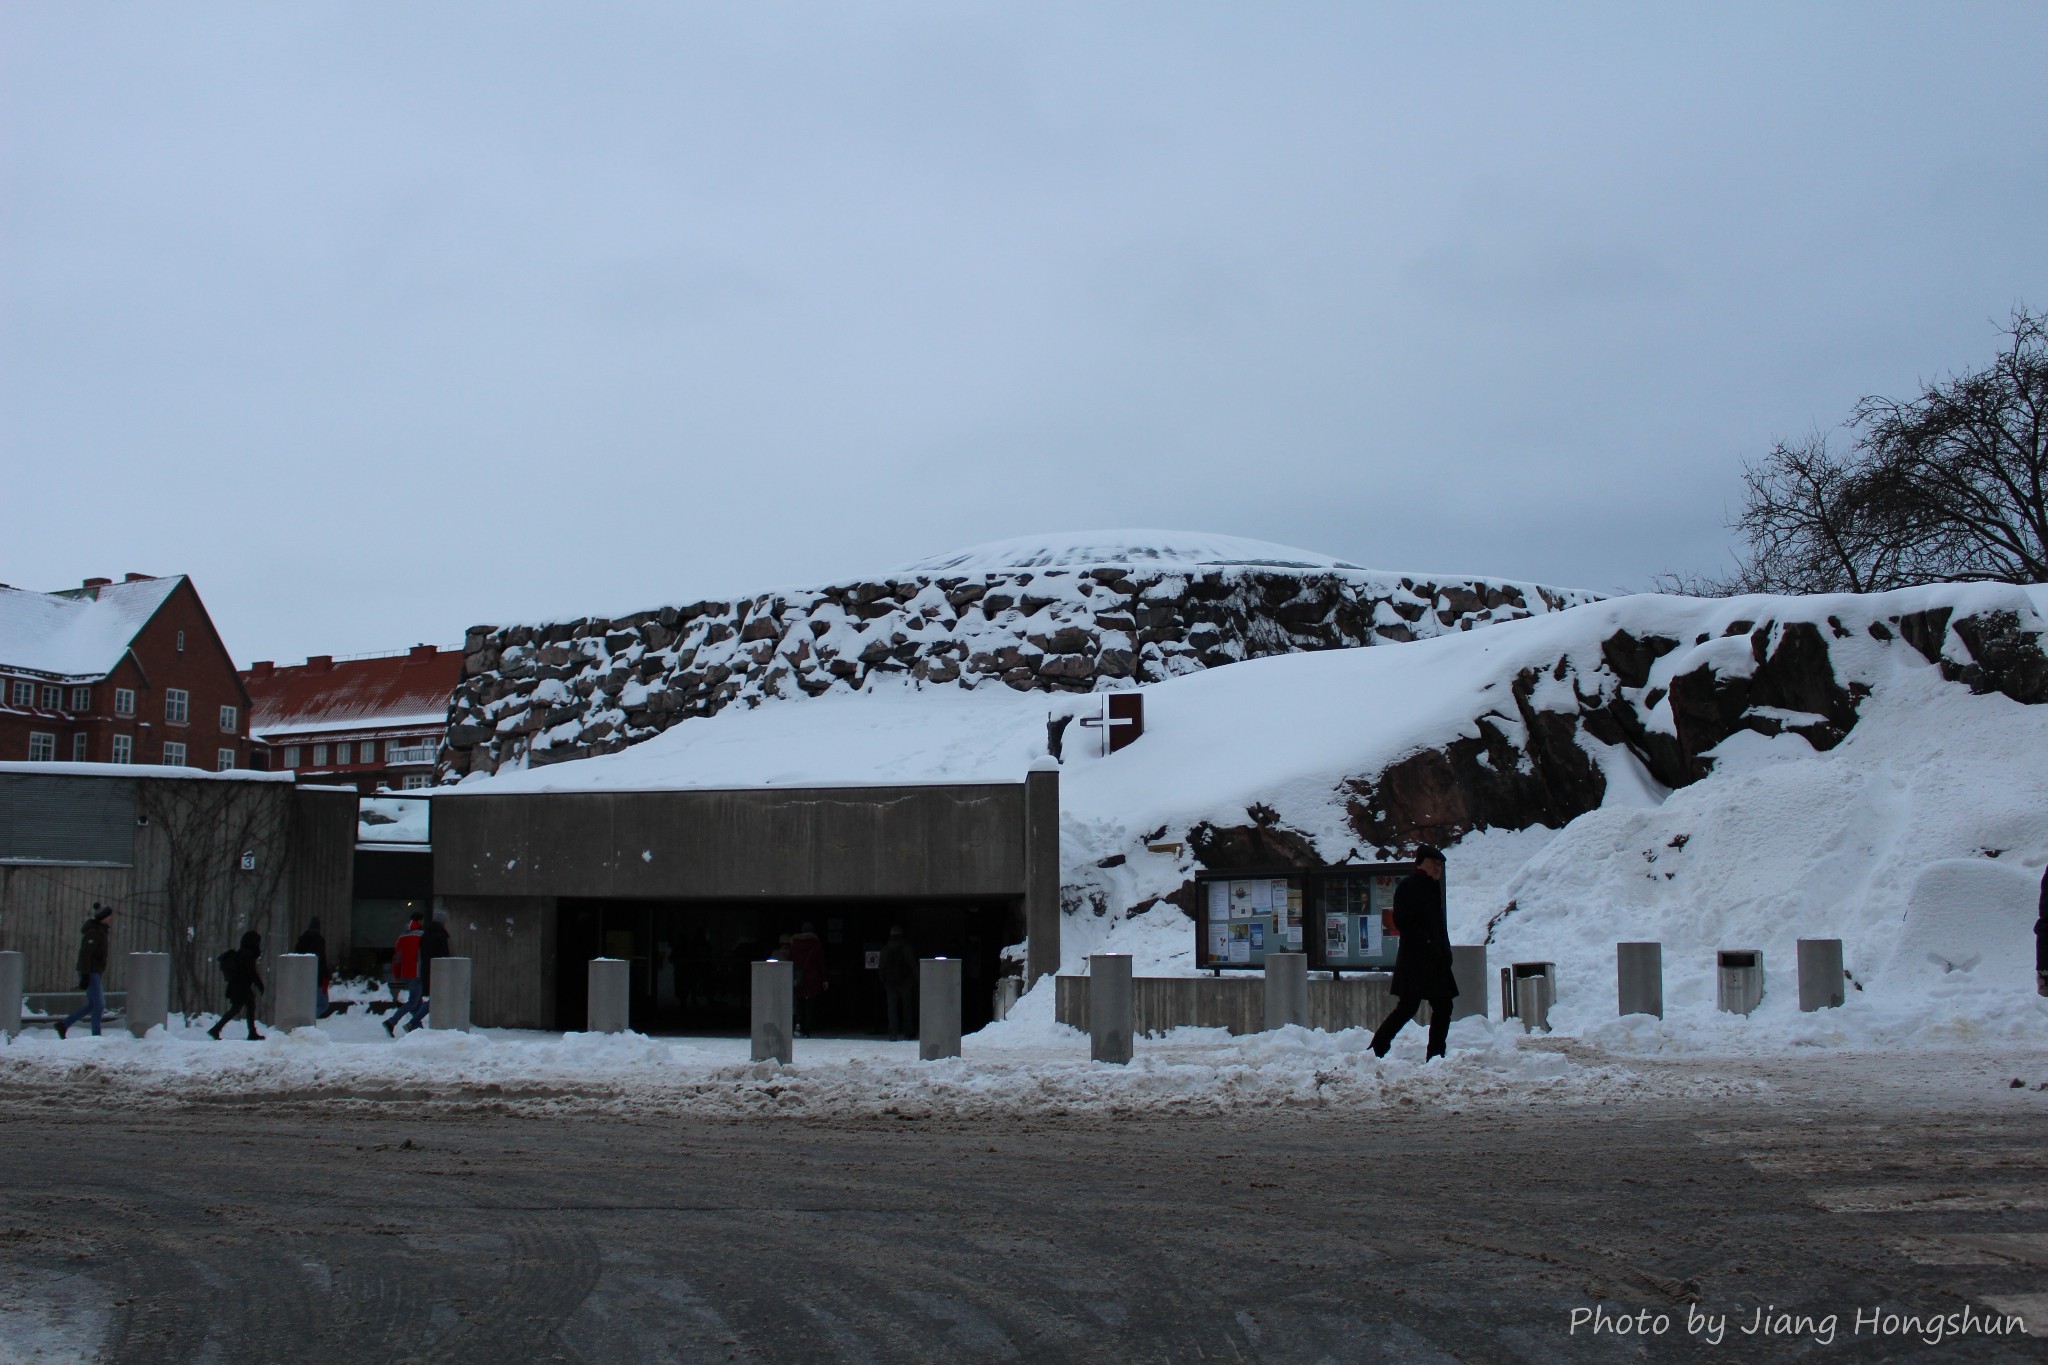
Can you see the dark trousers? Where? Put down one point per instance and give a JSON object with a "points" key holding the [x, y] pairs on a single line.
{"points": [[1404, 1010], [245, 1007], [902, 1011]]}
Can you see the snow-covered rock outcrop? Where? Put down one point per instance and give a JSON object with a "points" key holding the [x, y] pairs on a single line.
{"points": [[1057, 614]]}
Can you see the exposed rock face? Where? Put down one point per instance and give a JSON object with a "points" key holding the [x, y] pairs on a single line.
{"points": [[545, 693], [1534, 759]]}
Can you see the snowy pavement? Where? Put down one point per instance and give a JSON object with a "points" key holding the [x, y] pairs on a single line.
{"points": [[1029, 1065]]}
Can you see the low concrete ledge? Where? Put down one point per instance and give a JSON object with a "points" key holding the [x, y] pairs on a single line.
{"points": [[1236, 1003]]}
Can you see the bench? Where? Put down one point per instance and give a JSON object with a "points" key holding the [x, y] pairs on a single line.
{"points": [[47, 1007]]}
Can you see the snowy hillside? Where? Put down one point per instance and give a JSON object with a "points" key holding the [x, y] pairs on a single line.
{"points": [[1728, 773], [1048, 614]]}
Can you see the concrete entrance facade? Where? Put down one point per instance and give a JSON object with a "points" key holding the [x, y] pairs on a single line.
{"points": [[537, 883]]}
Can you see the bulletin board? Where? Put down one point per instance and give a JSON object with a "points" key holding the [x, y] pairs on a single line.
{"points": [[1241, 919], [1332, 914]]}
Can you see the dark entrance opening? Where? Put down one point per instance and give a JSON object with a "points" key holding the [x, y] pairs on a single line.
{"points": [[692, 960]]}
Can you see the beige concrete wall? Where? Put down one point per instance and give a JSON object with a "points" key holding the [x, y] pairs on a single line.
{"points": [[1236, 1003]]}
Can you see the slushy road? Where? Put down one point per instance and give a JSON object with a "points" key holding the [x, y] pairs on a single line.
{"points": [[321, 1230]]}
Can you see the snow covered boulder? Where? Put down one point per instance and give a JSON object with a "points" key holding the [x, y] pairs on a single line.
{"points": [[1968, 920]]}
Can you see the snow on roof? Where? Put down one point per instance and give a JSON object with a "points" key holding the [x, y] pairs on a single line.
{"points": [[410, 690], [146, 770], [1089, 549], [74, 633]]}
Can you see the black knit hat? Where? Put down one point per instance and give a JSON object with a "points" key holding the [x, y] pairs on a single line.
{"points": [[1425, 852], [101, 911]]}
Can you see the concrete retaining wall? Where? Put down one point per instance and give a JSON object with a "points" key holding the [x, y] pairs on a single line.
{"points": [[1236, 1003]]}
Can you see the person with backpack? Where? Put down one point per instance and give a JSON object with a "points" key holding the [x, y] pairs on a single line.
{"points": [[405, 972], [92, 970], [433, 943], [807, 951], [239, 967], [314, 942]]}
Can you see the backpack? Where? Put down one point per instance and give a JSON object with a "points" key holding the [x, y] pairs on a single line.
{"points": [[230, 967]]}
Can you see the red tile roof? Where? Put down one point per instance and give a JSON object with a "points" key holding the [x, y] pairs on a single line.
{"points": [[407, 691]]}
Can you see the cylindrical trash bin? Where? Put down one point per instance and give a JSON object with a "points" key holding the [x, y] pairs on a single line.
{"points": [[448, 983], [1286, 990], [295, 1002], [1008, 988], [774, 986], [149, 992], [1534, 988], [938, 1008], [10, 992], [1112, 1012], [1740, 987], [611, 982], [1820, 974], [1468, 970], [1639, 978]]}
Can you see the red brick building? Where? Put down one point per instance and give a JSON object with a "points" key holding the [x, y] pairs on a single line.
{"points": [[375, 722], [129, 672]]}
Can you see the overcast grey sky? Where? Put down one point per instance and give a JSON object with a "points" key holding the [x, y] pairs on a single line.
{"points": [[383, 320]]}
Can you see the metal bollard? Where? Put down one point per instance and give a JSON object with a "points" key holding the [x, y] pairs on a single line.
{"points": [[938, 1008], [10, 993], [1820, 974], [1112, 1013], [149, 992], [1468, 969], [1740, 987], [774, 1011], [1286, 990], [611, 981], [1639, 978], [295, 999], [448, 993], [1008, 988]]}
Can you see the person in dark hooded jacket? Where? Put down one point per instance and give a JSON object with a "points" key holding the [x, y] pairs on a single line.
{"points": [[245, 982], [92, 970], [2041, 939], [1422, 965]]}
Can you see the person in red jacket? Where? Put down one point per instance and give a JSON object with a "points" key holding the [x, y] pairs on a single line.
{"points": [[405, 970], [807, 953]]}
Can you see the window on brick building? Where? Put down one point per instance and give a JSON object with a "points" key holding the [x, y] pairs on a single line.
{"points": [[174, 754], [42, 748], [291, 756], [124, 749], [230, 717], [53, 698], [343, 752], [181, 642], [177, 705], [415, 782], [81, 749], [23, 693], [81, 699], [124, 701], [225, 762], [369, 751], [319, 755]]}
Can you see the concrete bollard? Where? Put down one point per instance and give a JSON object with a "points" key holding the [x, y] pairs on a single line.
{"points": [[10, 993], [1820, 974], [1286, 990], [149, 992], [611, 984], [1739, 987], [1112, 1012], [295, 991], [774, 1011], [1639, 978], [1468, 969], [448, 994], [938, 1008]]}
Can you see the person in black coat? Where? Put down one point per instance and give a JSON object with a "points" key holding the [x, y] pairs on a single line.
{"points": [[2041, 939], [1422, 966], [315, 943], [245, 983]]}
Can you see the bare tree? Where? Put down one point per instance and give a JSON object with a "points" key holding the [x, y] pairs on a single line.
{"points": [[1949, 486]]}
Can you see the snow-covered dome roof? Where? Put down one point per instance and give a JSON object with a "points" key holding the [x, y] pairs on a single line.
{"points": [[1088, 549]]}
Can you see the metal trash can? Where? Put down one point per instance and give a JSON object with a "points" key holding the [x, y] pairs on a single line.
{"points": [[1741, 980], [1820, 974], [1008, 989], [1527, 991]]}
